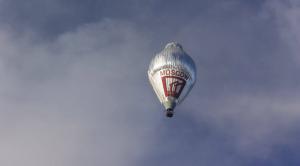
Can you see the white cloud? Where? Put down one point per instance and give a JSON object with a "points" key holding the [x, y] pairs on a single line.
{"points": [[83, 98], [287, 16], [78, 100]]}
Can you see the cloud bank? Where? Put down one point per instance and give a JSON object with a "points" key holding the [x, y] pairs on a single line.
{"points": [[74, 89]]}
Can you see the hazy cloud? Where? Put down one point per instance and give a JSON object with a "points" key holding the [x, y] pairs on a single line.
{"points": [[83, 98], [63, 103]]}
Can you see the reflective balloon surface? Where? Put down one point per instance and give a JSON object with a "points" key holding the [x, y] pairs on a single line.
{"points": [[172, 74]]}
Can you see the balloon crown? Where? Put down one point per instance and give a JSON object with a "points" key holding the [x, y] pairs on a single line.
{"points": [[173, 45]]}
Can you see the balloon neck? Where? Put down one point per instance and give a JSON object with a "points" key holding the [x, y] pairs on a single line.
{"points": [[169, 105]]}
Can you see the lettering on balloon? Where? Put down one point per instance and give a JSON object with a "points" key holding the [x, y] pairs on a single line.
{"points": [[173, 72], [173, 81]]}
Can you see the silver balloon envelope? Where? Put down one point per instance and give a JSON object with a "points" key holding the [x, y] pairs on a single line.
{"points": [[172, 74]]}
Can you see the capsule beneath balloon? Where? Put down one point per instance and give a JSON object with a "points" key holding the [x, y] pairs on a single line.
{"points": [[172, 74]]}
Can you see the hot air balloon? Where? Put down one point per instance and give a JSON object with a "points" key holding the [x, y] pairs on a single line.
{"points": [[172, 74]]}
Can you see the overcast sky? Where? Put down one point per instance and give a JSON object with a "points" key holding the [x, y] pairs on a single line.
{"points": [[74, 89]]}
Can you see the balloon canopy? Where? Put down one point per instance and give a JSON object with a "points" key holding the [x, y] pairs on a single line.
{"points": [[172, 74]]}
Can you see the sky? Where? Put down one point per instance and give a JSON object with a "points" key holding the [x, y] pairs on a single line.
{"points": [[74, 89]]}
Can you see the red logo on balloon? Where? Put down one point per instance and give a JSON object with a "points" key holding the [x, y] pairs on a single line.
{"points": [[173, 85]]}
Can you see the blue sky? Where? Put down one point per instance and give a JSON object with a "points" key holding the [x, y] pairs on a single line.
{"points": [[74, 88]]}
